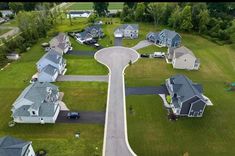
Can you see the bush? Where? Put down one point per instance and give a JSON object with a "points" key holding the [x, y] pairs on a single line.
{"points": [[168, 98]]}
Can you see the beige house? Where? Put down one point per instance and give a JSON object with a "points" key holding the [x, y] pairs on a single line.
{"points": [[183, 58]]}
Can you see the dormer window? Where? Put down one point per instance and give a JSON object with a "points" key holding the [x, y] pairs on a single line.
{"points": [[33, 112]]}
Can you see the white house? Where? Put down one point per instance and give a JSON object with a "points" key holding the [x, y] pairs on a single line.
{"points": [[127, 31], [183, 58], [77, 14], [38, 103], [10, 146], [6, 12], [60, 43], [48, 74]]}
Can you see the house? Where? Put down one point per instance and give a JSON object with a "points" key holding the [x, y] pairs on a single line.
{"points": [[76, 14], [2, 20], [10, 146], [13, 56], [60, 43], [54, 59], [6, 13], [187, 97], [38, 103], [94, 31], [165, 38], [127, 31], [183, 58]]}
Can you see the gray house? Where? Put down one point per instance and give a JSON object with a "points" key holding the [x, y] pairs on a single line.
{"points": [[38, 103], [60, 43], [10, 146], [127, 31], [165, 38], [187, 98], [57, 66], [94, 31]]}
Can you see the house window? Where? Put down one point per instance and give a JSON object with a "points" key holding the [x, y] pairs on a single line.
{"points": [[33, 112], [185, 60]]}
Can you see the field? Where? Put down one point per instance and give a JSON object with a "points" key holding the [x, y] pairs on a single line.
{"points": [[56, 139], [213, 134], [89, 6]]}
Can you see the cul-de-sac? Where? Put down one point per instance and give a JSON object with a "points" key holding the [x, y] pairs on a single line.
{"points": [[117, 78]]}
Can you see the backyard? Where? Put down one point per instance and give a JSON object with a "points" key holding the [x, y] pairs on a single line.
{"points": [[213, 134], [89, 6]]}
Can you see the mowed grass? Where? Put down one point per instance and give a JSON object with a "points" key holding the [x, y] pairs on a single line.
{"points": [[84, 65], [151, 49], [56, 139], [89, 6], [80, 47], [213, 134], [3, 31]]}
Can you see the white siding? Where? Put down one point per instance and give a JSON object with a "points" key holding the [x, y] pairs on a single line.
{"points": [[186, 61]]}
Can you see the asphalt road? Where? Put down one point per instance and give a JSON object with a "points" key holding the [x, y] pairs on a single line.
{"points": [[115, 137], [85, 117], [118, 41]]}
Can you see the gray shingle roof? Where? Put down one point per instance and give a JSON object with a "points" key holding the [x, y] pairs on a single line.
{"points": [[182, 51], [52, 55], [124, 26], [50, 70], [10, 146], [37, 94], [185, 88], [169, 33]]}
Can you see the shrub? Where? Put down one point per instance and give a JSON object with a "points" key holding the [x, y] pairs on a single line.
{"points": [[168, 98]]}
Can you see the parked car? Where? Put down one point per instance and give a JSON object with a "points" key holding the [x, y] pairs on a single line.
{"points": [[158, 54], [96, 45], [33, 80], [144, 55], [90, 42], [47, 49], [73, 115]]}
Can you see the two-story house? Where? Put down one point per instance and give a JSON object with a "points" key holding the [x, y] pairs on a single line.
{"points": [[50, 66], [165, 38], [187, 98], [60, 43], [127, 31], [10, 146], [38, 103]]}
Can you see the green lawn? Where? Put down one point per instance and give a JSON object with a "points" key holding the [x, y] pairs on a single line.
{"points": [[57, 139], [151, 49], [3, 31], [89, 6], [84, 65], [78, 46], [213, 134]]}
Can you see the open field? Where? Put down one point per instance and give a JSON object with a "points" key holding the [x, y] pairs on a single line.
{"points": [[213, 134], [57, 139], [89, 6]]}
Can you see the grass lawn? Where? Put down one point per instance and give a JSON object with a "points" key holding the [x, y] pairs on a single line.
{"points": [[84, 65], [213, 134], [11, 23], [78, 46], [57, 139], [3, 31], [89, 6]]}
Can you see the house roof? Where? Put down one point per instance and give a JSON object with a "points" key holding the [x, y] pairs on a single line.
{"points": [[78, 12], [10, 146], [132, 26], [50, 70], [169, 33], [182, 51], [185, 88], [36, 94], [52, 55]]}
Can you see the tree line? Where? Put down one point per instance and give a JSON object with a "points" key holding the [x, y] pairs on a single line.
{"points": [[214, 20]]}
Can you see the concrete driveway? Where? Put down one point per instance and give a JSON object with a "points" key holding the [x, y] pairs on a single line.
{"points": [[115, 137], [118, 41], [85, 117], [86, 78], [146, 90], [142, 44]]}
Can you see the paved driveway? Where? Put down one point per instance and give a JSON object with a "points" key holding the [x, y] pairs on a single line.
{"points": [[81, 53], [118, 41], [146, 90], [99, 78], [142, 44], [115, 137], [85, 117]]}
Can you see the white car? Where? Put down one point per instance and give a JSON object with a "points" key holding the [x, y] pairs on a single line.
{"points": [[159, 54]]}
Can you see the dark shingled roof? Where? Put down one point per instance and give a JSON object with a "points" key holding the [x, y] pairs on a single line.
{"points": [[10, 146]]}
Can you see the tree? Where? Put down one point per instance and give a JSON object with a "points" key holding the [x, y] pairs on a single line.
{"points": [[101, 8], [92, 18], [174, 20], [29, 6], [196, 9], [16, 6], [186, 16], [139, 12], [156, 10], [203, 20], [167, 13], [127, 14]]}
